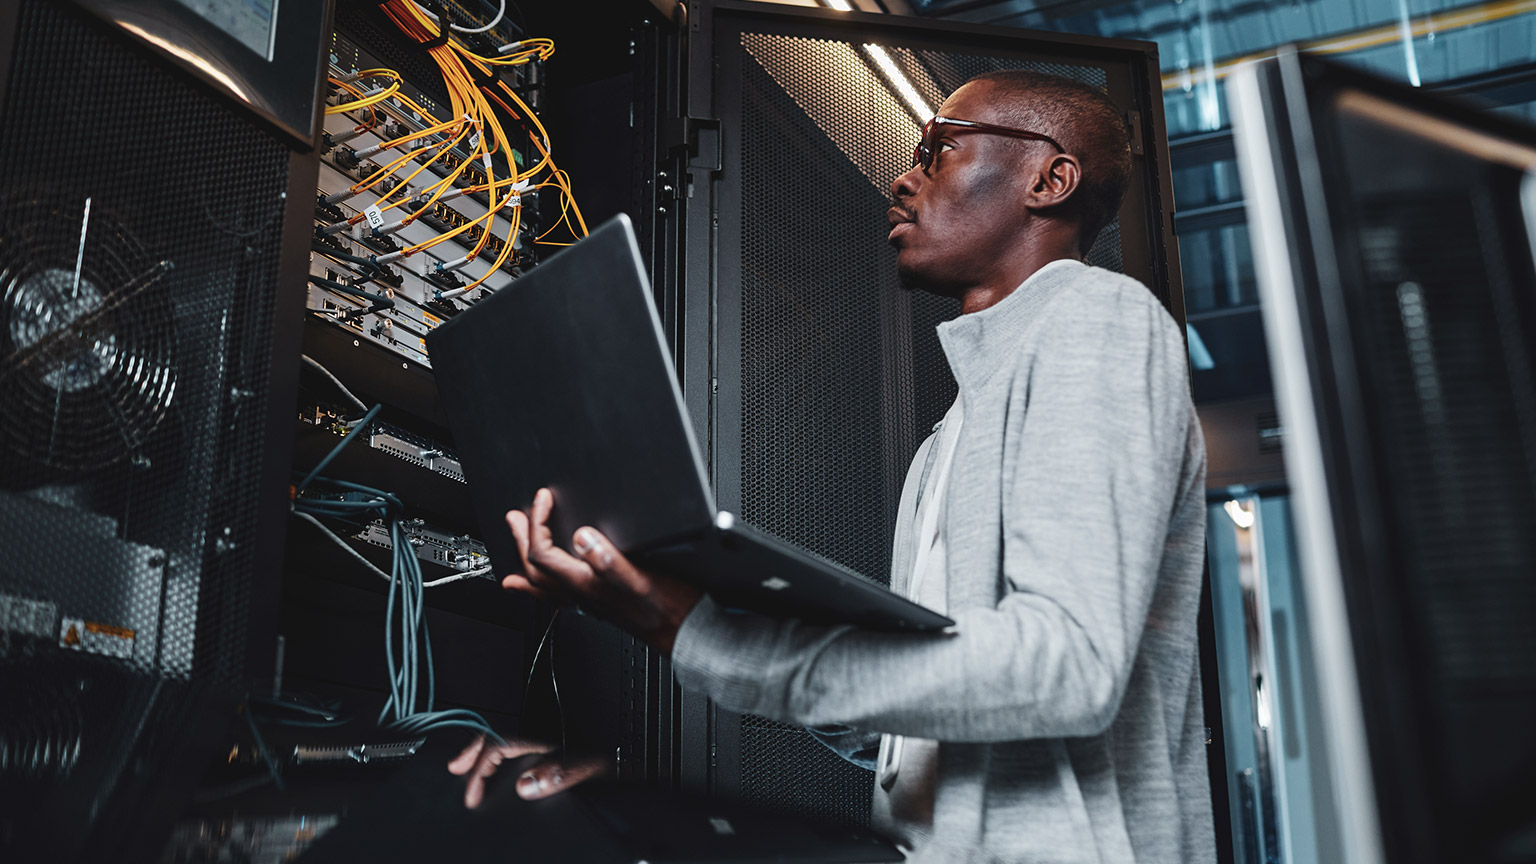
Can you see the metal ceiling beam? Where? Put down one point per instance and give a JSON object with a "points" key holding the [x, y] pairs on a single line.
{"points": [[1371, 37]]}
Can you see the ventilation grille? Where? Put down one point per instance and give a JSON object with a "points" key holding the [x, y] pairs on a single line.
{"points": [[127, 500]]}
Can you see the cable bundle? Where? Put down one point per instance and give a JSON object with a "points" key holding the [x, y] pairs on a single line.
{"points": [[475, 92], [407, 642]]}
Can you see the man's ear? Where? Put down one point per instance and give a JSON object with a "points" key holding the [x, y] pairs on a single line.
{"points": [[1054, 182]]}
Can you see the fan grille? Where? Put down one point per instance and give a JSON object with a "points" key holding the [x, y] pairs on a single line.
{"points": [[89, 367]]}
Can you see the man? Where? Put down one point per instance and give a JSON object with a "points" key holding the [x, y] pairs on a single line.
{"points": [[1057, 515]]}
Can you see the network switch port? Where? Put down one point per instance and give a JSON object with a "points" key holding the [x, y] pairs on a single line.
{"points": [[427, 457], [348, 314], [431, 545], [393, 440]]}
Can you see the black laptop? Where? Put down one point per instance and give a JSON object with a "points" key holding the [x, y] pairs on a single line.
{"points": [[563, 380]]}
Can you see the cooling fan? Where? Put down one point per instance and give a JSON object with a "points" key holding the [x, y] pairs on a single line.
{"points": [[87, 336]]}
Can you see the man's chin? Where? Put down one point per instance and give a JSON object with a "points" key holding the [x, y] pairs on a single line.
{"points": [[915, 279]]}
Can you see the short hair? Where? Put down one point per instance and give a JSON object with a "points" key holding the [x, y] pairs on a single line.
{"points": [[1087, 124]]}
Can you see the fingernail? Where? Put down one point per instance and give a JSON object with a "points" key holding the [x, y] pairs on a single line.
{"points": [[586, 541], [527, 784]]}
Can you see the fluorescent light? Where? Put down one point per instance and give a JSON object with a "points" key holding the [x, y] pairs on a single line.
{"points": [[1199, 356], [904, 88], [1405, 27], [1241, 517], [840, 5]]}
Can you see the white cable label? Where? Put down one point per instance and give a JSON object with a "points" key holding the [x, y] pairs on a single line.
{"points": [[375, 218]]}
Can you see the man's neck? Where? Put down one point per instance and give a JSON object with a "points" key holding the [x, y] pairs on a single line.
{"points": [[1011, 274]]}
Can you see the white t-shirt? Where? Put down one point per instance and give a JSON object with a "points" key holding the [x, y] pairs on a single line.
{"points": [[904, 811]]}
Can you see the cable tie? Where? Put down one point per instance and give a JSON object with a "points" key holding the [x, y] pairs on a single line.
{"points": [[436, 41]]}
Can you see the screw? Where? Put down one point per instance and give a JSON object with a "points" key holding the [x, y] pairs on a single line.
{"points": [[356, 344]]}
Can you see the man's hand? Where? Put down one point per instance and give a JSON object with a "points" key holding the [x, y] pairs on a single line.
{"points": [[601, 581], [479, 761]]}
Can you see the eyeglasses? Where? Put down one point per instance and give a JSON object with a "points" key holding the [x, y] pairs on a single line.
{"points": [[928, 147]]}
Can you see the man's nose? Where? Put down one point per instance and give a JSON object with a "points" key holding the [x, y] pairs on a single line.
{"points": [[907, 184]]}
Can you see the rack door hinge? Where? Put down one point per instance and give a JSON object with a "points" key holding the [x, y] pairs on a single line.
{"points": [[700, 136], [1133, 123]]}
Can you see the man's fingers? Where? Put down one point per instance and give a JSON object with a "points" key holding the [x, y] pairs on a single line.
{"points": [[539, 536], [550, 561], [544, 780], [543, 554], [515, 582], [608, 562], [480, 762], [533, 579], [519, 525], [517, 747], [474, 790], [466, 760]]}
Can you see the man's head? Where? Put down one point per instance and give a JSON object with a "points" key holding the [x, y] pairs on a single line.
{"points": [[988, 199]]}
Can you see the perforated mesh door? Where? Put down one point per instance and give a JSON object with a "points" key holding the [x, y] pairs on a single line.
{"points": [[1443, 320], [134, 372], [842, 373]]}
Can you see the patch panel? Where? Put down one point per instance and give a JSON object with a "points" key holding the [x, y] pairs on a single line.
{"points": [[426, 287], [393, 440], [460, 553]]}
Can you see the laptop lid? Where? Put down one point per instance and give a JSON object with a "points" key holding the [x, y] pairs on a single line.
{"points": [[562, 379]]}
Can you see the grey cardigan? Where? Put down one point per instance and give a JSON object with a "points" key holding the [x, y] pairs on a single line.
{"points": [[1067, 696]]}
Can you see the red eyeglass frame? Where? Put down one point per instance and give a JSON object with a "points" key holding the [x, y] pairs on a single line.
{"points": [[926, 148]]}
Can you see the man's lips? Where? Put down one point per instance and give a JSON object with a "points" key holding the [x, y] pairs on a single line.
{"points": [[901, 222]]}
